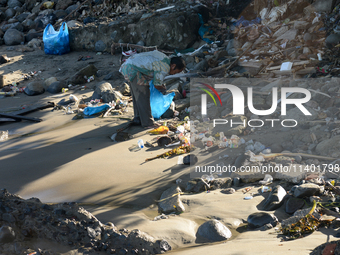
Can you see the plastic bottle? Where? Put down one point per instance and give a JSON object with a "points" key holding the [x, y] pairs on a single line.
{"points": [[140, 143]]}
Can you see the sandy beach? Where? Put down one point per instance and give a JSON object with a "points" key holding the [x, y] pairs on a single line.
{"points": [[64, 160]]}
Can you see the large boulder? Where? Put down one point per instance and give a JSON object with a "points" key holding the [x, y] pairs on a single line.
{"points": [[7, 234], [34, 88], [13, 37], [213, 231], [275, 198]]}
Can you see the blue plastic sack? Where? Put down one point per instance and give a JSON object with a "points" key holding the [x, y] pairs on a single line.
{"points": [[159, 103], [96, 109], [56, 42], [203, 29]]}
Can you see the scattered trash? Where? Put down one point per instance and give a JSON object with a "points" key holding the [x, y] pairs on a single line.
{"points": [[3, 136]]}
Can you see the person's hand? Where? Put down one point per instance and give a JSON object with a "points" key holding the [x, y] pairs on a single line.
{"points": [[162, 87]]}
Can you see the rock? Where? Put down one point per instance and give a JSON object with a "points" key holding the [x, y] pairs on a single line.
{"points": [[220, 183], [236, 181], [10, 13], [171, 202], [34, 88], [63, 4], [296, 114], [233, 43], [14, 3], [13, 37], [60, 14], [21, 17], [124, 89], [233, 52], [234, 129], [55, 87], [87, 71], [306, 190], [289, 35], [28, 24], [31, 36], [298, 215], [276, 148], [34, 43], [73, 23], [189, 159], [213, 231], [197, 185], [293, 204], [7, 234], [100, 46], [88, 20], [275, 198], [202, 66], [8, 217], [259, 219], [140, 43], [2, 16], [332, 40], [323, 5], [105, 91], [71, 8], [329, 147], [295, 174], [49, 81], [228, 191]]}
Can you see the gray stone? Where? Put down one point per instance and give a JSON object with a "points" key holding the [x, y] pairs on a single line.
{"points": [[35, 43], [323, 5], [71, 8], [7, 234], [60, 13], [306, 190], [329, 147], [234, 129], [332, 40], [170, 201], [293, 204], [13, 37], [236, 181], [233, 43], [298, 215], [10, 13], [289, 35], [141, 43], [105, 91], [28, 24], [55, 87], [8, 218], [275, 198], [14, 3], [299, 116], [87, 71], [213, 231], [228, 191], [17, 26], [277, 83], [34, 88], [73, 24], [124, 89], [2, 16], [197, 185], [21, 17], [100, 46], [276, 148], [295, 174], [259, 219], [202, 66], [63, 4], [233, 52]]}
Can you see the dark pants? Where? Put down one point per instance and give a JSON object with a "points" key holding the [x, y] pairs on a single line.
{"points": [[141, 103]]}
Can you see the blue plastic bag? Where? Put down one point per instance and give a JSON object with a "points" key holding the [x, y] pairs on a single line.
{"points": [[56, 42], [159, 103], [96, 109]]}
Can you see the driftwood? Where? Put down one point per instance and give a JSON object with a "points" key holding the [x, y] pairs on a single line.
{"points": [[18, 117]]}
